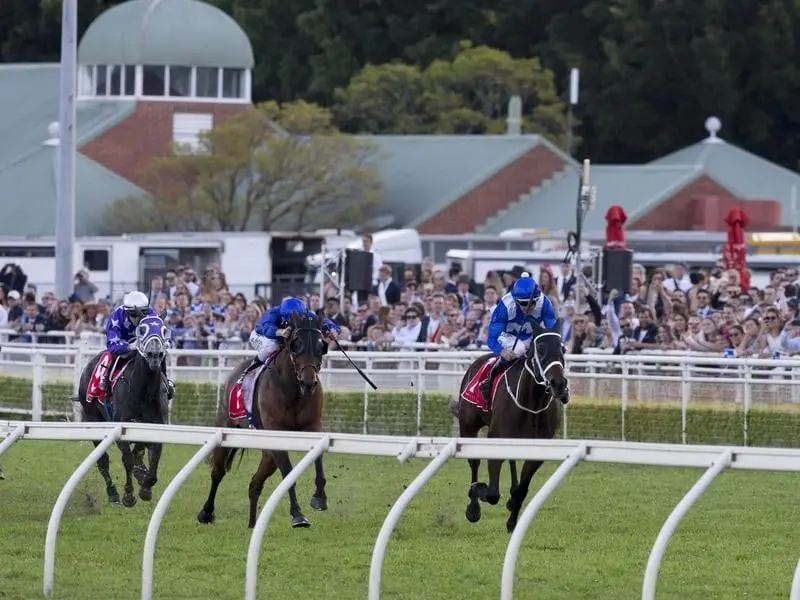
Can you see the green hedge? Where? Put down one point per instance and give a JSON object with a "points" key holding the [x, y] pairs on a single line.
{"points": [[395, 414]]}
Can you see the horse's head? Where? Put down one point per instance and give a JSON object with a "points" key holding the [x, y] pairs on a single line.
{"points": [[306, 349], [546, 356], [151, 341]]}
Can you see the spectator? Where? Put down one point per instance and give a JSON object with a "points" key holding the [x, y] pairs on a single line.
{"points": [[83, 290]]}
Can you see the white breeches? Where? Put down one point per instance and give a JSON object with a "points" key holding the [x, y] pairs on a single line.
{"points": [[263, 345]]}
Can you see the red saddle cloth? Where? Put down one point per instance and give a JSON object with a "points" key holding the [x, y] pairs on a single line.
{"points": [[93, 390], [240, 401], [472, 393]]}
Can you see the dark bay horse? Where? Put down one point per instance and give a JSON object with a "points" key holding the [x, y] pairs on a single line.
{"points": [[288, 397], [527, 404], [139, 393]]}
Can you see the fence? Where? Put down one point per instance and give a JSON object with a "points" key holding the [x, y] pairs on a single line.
{"points": [[649, 398], [570, 453]]}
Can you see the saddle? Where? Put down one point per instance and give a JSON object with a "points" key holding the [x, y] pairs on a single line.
{"points": [[94, 393], [472, 392]]}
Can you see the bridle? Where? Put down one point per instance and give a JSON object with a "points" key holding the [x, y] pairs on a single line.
{"points": [[533, 364], [295, 335]]}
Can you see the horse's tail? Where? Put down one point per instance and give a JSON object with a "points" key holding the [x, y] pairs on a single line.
{"points": [[229, 460]]}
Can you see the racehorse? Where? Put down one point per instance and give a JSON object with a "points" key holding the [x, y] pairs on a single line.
{"points": [[287, 396], [527, 401], [138, 392]]}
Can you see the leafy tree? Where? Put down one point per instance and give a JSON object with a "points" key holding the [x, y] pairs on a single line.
{"points": [[273, 166], [468, 94]]}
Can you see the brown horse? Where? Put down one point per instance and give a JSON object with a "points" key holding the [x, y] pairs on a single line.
{"points": [[526, 404], [288, 397]]}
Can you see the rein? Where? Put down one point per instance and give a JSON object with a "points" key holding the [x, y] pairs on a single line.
{"points": [[530, 365]]}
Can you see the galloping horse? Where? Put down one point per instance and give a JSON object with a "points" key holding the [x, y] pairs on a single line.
{"points": [[138, 392], [527, 400], [288, 397]]}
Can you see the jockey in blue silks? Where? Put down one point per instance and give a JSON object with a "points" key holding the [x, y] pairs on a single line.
{"points": [[511, 327], [121, 336], [274, 327]]}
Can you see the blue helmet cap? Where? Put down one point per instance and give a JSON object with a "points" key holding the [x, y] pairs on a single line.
{"points": [[291, 305], [525, 289]]}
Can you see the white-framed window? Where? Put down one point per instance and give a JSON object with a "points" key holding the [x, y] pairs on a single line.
{"points": [[204, 84], [187, 126]]}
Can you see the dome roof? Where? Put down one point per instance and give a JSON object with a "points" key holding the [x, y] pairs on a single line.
{"points": [[166, 32]]}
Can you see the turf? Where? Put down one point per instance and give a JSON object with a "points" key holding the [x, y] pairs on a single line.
{"points": [[591, 540]]}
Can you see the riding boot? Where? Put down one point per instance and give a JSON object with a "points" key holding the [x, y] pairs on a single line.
{"points": [[486, 384], [170, 383], [255, 363]]}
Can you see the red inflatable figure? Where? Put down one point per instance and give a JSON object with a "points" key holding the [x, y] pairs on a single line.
{"points": [[615, 235], [734, 255]]}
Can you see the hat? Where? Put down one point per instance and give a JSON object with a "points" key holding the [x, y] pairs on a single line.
{"points": [[13, 295]]}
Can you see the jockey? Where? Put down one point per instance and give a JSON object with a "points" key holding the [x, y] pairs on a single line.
{"points": [[274, 327], [121, 335], [511, 327]]}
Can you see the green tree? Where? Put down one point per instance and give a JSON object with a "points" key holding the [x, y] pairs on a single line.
{"points": [[273, 166], [468, 94]]}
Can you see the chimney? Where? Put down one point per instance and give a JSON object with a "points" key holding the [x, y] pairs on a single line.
{"points": [[514, 120]]}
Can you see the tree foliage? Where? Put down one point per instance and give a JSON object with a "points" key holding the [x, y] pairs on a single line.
{"points": [[651, 72], [271, 167], [468, 94]]}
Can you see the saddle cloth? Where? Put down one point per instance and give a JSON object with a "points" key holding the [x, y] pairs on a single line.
{"points": [[93, 390], [240, 399], [472, 393]]}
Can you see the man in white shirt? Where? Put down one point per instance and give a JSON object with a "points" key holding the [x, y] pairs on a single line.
{"points": [[679, 280]]}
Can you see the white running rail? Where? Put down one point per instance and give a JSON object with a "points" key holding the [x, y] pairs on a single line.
{"points": [[567, 452]]}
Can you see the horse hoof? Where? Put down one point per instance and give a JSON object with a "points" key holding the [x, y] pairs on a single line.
{"points": [[205, 517], [473, 511], [129, 500], [113, 499], [146, 494], [300, 521], [319, 503], [511, 524]]}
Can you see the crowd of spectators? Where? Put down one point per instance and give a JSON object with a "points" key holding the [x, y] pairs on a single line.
{"points": [[667, 309]]}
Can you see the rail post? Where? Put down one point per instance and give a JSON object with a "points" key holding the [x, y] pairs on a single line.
{"points": [[671, 524], [12, 437], [61, 504], [378, 553], [525, 520], [269, 507], [161, 509]]}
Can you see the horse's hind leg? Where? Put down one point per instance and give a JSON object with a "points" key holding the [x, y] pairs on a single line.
{"points": [[151, 475], [219, 458], [319, 501], [285, 466], [468, 428], [514, 504], [266, 468], [128, 499], [103, 464]]}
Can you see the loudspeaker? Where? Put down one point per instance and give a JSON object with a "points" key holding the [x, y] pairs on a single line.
{"points": [[617, 271], [358, 270]]}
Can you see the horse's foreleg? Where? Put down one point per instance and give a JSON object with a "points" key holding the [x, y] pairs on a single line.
{"points": [[103, 464], [218, 460], [151, 476], [493, 490], [514, 504], [266, 468], [285, 466], [139, 468], [319, 501], [128, 499]]}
